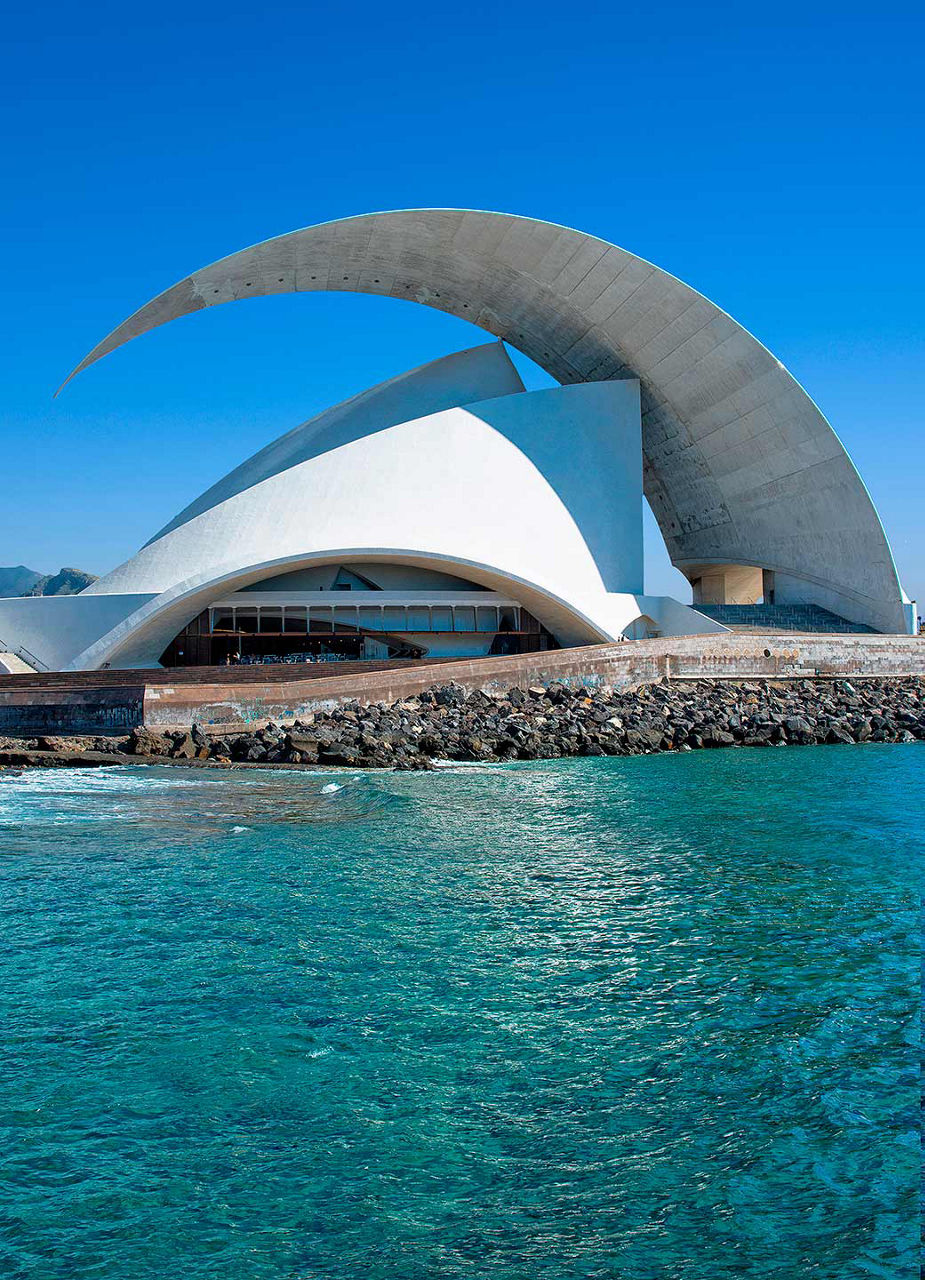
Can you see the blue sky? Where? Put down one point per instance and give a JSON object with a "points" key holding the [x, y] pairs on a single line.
{"points": [[769, 156]]}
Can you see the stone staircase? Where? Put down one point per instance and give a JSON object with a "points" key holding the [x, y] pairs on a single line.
{"points": [[12, 665], [771, 619]]}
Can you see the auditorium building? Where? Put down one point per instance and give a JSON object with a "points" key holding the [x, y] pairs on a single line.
{"points": [[449, 511]]}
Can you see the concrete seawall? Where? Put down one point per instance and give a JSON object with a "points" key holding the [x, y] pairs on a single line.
{"points": [[617, 665], [112, 701], [25, 708]]}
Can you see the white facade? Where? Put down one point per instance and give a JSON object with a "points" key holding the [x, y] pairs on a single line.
{"points": [[532, 498]]}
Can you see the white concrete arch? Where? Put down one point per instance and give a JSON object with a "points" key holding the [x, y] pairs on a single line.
{"points": [[139, 639], [740, 466]]}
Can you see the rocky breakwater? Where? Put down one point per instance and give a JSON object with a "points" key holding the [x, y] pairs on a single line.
{"points": [[450, 723]]}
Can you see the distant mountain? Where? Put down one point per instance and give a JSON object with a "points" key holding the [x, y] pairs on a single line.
{"points": [[66, 582], [17, 581], [20, 581]]}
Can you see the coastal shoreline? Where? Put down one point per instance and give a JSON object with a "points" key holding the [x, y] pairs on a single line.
{"points": [[448, 723]]}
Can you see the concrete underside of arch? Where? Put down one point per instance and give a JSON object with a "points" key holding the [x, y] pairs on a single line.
{"points": [[715, 582]]}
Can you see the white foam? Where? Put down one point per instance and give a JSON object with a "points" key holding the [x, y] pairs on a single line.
{"points": [[479, 766], [331, 787], [90, 781]]}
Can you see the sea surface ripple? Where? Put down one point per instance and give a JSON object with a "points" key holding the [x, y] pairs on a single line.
{"points": [[640, 1018]]}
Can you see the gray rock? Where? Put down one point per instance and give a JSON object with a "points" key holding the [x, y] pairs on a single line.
{"points": [[338, 753]]}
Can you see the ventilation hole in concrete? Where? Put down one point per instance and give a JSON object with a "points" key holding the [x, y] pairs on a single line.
{"points": [[280, 281], [345, 277]]}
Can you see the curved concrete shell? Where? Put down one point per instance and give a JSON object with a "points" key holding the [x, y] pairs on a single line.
{"points": [[452, 472], [740, 467], [482, 488], [481, 373]]}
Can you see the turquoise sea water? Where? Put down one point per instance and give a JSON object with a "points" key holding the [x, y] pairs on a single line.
{"points": [[644, 1018]]}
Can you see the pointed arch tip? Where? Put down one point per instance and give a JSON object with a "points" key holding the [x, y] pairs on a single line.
{"points": [[78, 368]]}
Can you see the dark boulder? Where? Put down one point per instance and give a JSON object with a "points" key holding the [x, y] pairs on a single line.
{"points": [[184, 748], [450, 695], [839, 733], [142, 742], [305, 744], [799, 729]]}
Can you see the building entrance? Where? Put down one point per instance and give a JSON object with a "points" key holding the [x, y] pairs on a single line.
{"points": [[240, 632]]}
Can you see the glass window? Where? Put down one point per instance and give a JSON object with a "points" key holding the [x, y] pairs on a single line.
{"points": [[246, 620], [418, 617], [508, 620], [296, 620], [393, 618], [223, 620], [441, 617], [464, 618], [271, 620], [319, 619], [344, 617], [371, 619], [487, 618]]}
